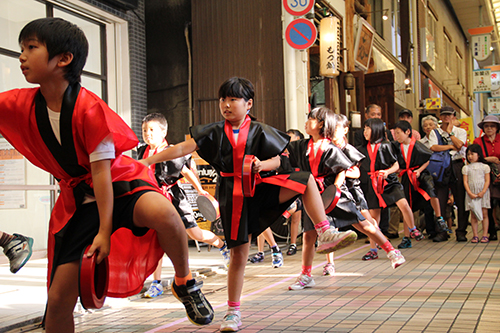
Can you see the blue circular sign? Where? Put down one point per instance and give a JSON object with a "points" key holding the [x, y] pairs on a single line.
{"points": [[301, 34]]}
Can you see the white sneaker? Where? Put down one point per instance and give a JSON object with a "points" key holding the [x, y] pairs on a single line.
{"points": [[231, 321], [303, 281], [329, 269], [19, 251], [155, 290], [224, 251], [333, 240], [396, 258], [277, 259]]}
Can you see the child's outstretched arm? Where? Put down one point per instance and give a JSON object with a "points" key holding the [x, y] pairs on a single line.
{"points": [[392, 169], [191, 177], [267, 165], [103, 191], [178, 150]]}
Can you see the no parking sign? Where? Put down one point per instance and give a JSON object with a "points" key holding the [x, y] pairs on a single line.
{"points": [[301, 34]]}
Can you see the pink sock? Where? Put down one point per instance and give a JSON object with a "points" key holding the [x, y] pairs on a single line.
{"points": [[387, 246], [322, 227], [306, 270], [234, 305]]}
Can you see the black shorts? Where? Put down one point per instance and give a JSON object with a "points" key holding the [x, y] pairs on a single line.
{"points": [[81, 229]]}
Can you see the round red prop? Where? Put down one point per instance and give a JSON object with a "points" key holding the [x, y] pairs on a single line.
{"points": [[248, 176], [330, 196], [208, 207], [93, 281]]}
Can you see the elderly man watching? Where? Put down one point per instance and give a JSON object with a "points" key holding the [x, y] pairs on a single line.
{"points": [[454, 139], [491, 126]]}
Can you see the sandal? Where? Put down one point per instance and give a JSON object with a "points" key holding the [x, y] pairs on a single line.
{"points": [[475, 240], [485, 239]]}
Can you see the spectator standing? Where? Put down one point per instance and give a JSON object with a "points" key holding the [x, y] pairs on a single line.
{"points": [[491, 126], [454, 139]]}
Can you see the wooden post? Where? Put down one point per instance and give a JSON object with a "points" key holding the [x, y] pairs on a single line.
{"points": [[349, 33]]}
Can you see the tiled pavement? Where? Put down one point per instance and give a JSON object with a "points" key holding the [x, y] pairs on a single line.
{"points": [[443, 287]]}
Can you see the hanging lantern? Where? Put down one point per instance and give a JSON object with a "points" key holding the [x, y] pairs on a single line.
{"points": [[329, 43]]}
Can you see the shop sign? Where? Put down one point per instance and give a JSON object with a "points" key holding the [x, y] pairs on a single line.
{"points": [[481, 81]]}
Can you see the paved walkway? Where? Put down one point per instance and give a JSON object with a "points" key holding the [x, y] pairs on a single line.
{"points": [[443, 287]]}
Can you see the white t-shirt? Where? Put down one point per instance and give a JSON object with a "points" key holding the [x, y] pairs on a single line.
{"points": [[460, 134]]}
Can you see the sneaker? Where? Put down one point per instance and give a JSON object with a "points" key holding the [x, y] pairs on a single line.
{"points": [[405, 243], [198, 309], [329, 269], [417, 235], [396, 258], [292, 249], [370, 255], [303, 281], [19, 251], [155, 290], [441, 224], [231, 321], [259, 257], [333, 240], [277, 259], [224, 251]]}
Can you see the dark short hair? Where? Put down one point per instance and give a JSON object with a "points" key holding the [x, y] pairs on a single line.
{"points": [[372, 106], [404, 126], [378, 129], [159, 118], [60, 36], [237, 87], [475, 148], [295, 132], [326, 116], [405, 112]]}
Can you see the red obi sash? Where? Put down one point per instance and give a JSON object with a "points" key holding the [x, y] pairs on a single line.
{"points": [[409, 171], [164, 188], [378, 182]]}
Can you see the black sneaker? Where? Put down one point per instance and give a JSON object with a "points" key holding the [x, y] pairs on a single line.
{"points": [[198, 309]]}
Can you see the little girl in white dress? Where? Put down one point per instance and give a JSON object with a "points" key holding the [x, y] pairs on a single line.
{"points": [[476, 175]]}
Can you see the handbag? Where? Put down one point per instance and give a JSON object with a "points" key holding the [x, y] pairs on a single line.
{"points": [[439, 161]]}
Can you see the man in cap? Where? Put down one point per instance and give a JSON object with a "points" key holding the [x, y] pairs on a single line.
{"points": [[454, 138]]}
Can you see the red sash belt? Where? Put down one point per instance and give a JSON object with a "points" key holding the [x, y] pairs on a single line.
{"points": [[378, 182], [409, 171]]}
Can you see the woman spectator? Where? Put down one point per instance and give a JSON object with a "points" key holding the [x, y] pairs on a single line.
{"points": [[490, 143], [429, 123]]}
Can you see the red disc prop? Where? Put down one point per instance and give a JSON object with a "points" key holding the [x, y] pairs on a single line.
{"points": [[208, 207], [248, 177], [93, 281], [330, 196]]}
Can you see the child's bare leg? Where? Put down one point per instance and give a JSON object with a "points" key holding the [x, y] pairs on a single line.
{"points": [[205, 236], [260, 242], [268, 236], [329, 238], [308, 243], [154, 211], [157, 273], [486, 222], [435, 206], [407, 213], [473, 224], [294, 226], [236, 271], [376, 236], [373, 222], [62, 297]]}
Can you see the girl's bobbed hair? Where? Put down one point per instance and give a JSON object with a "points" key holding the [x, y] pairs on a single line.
{"points": [[327, 116], [378, 129], [475, 148], [237, 87]]}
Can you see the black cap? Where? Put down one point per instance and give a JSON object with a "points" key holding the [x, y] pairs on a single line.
{"points": [[447, 110], [405, 112]]}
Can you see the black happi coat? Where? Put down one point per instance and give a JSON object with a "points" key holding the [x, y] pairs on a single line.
{"points": [[384, 159], [419, 156], [264, 142], [332, 162], [354, 185]]}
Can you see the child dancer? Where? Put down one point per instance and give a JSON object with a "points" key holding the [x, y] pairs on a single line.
{"points": [[418, 184], [379, 182], [477, 182], [353, 184], [71, 133], [154, 132], [224, 145]]}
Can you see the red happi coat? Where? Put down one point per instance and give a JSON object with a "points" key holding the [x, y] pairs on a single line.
{"points": [[85, 121]]}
